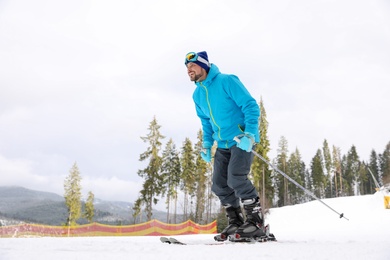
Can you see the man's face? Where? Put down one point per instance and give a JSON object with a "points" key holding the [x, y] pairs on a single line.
{"points": [[195, 72]]}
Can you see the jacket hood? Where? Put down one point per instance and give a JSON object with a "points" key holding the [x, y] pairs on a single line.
{"points": [[213, 72]]}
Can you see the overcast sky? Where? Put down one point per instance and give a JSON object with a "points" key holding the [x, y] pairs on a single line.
{"points": [[80, 81]]}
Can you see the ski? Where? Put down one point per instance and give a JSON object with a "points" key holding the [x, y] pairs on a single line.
{"points": [[221, 241], [165, 240], [171, 240], [174, 241], [261, 239]]}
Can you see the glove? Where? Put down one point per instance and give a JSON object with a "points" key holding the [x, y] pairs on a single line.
{"points": [[206, 152], [246, 142]]}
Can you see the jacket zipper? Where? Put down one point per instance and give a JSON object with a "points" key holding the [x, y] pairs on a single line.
{"points": [[211, 112]]}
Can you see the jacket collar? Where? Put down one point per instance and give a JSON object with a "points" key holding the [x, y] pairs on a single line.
{"points": [[213, 72]]}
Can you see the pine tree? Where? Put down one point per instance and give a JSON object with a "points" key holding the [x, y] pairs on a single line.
{"points": [[351, 173], [260, 171], [280, 181], [336, 166], [328, 167], [72, 187], [318, 176], [210, 197], [373, 167], [384, 162], [188, 176], [201, 168], [153, 184], [137, 209], [308, 184], [89, 207], [345, 181], [171, 172], [364, 180], [296, 170]]}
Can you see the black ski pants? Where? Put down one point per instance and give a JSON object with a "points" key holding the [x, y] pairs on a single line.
{"points": [[230, 177]]}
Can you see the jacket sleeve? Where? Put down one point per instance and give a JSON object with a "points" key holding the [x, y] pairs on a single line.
{"points": [[206, 127], [246, 103]]}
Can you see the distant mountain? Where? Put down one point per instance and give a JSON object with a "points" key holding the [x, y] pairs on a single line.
{"points": [[19, 193], [18, 204], [32, 206]]}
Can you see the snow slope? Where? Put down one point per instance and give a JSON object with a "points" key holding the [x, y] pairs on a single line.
{"points": [[306, 231]]}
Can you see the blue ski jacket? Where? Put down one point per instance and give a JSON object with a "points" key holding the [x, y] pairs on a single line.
{"points": [[226, 109]]}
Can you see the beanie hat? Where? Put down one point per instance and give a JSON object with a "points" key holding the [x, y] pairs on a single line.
{"points": [[201, 59]]}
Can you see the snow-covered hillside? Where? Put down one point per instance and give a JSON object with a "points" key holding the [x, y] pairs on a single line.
{"points": [[306, 231]]}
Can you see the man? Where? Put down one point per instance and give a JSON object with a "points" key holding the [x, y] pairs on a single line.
{"points": [[227, 110]]}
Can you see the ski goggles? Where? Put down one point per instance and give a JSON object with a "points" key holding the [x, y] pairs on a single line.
{"points": [[193, 57]]}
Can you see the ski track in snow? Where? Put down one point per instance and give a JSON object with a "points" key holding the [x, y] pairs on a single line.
{"points": [[305, 231]]}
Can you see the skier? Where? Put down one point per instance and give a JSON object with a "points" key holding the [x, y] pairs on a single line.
{"points": [[227, 110]]}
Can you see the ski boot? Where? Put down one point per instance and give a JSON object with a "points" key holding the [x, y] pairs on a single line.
{"points": [[253, 229], [235, 219]]}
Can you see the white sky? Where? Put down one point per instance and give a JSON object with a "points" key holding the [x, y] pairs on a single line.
{"points": [[80, 81]]}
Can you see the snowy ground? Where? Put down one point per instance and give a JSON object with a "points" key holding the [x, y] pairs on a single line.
{"points": [[307, 231]]}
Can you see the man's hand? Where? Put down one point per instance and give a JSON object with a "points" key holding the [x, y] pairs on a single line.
{"points": [[206, 152], [246, 142]]}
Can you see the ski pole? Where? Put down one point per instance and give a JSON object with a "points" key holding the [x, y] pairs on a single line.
{"points": [[375, 181], [293, 181]]}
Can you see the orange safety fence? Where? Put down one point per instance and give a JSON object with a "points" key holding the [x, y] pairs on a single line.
{"points": [[150, 228]]}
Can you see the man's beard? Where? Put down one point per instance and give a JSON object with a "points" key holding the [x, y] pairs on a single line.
{"points": [[197, 77]]}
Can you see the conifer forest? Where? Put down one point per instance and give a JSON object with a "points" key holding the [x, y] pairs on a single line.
{"points": [[177, 175]]}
